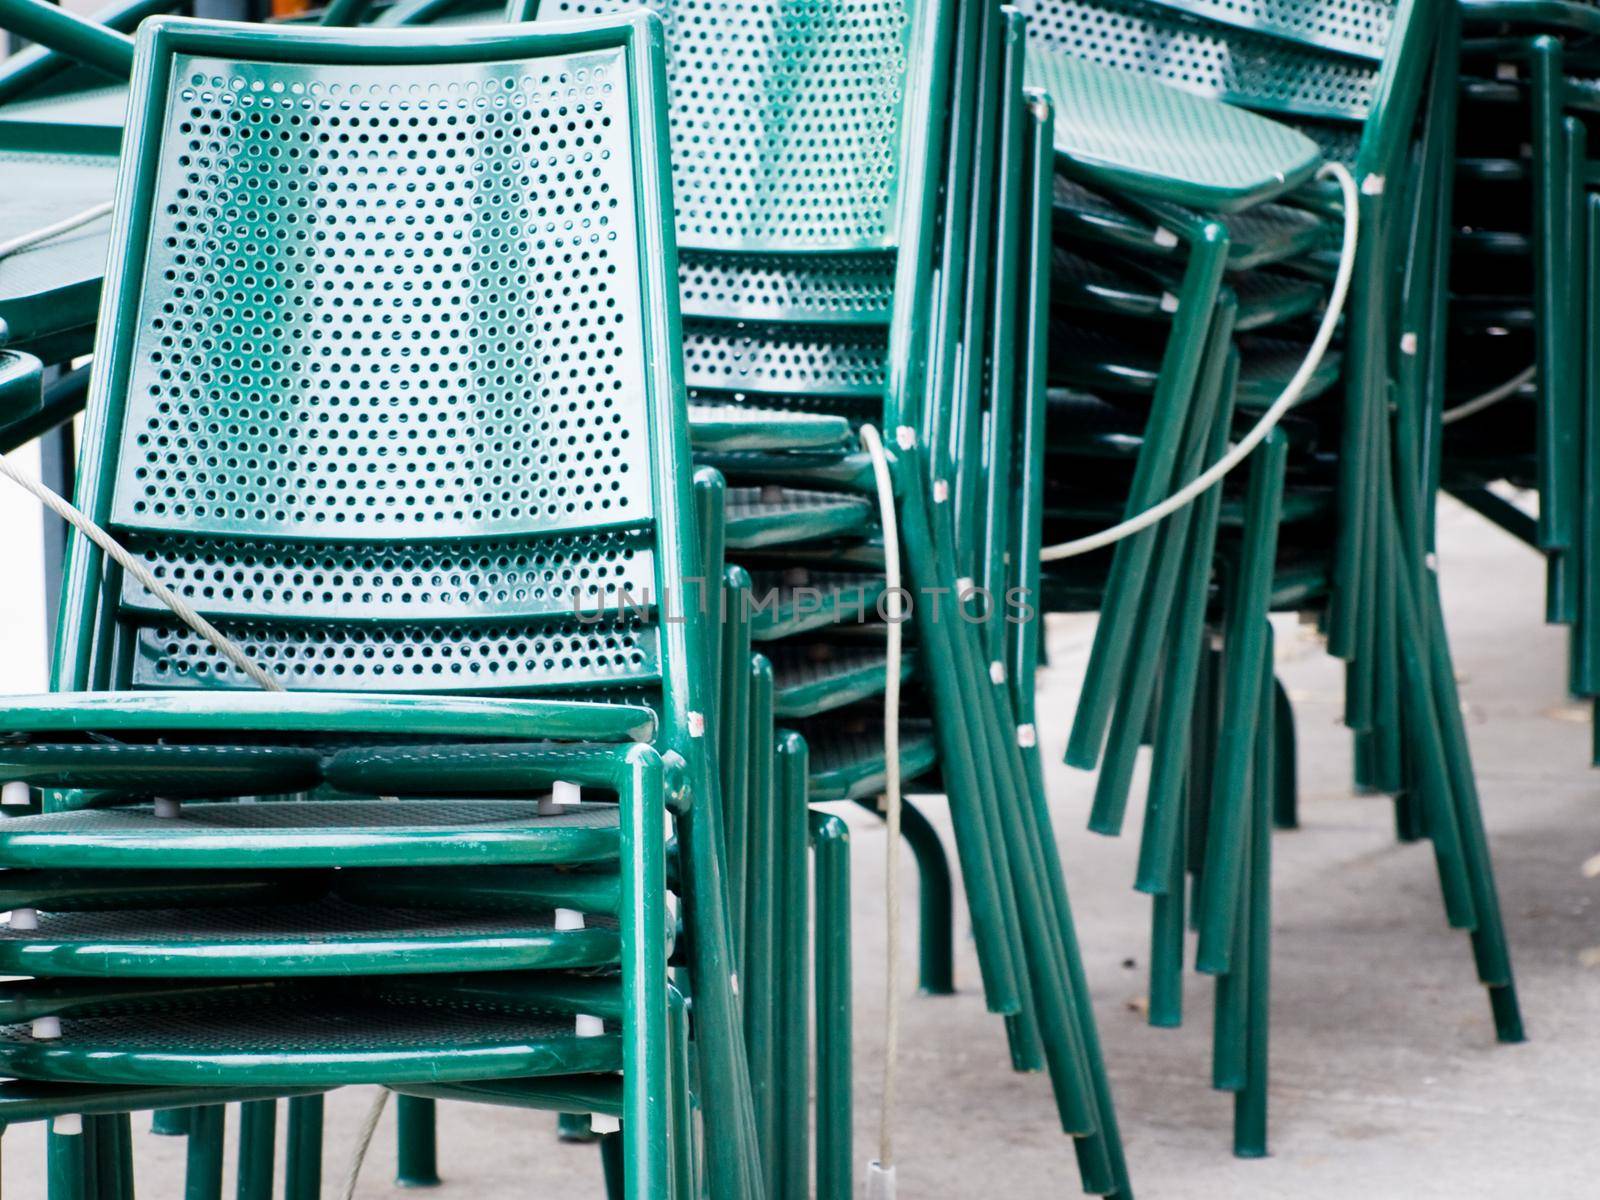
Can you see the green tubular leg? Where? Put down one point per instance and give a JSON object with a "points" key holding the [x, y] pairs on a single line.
{"points": [[935, 903], [1285, 759], [203, 1171], [681, 1114], [1180, 368], [1152, 633], [734, 701], [830, 840], [416, 1142], [612, 1166], [67, 1163], [1589, 628], [644, 974], [968, 811], [302, 1171], [1225, 848], [1548, 86], [575, 1127], [170, 1122], [258, 1129], [1175, 745], [759, 978], [793, 992], [1250, 1101]]}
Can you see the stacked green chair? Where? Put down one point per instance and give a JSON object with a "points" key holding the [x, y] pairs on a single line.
{"points": [[1519, 303], [408, 543], [1193, 253], [808, 244]]}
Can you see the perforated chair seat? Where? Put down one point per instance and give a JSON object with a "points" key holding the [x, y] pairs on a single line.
{"points": [[787, 359], [813, 679], [1267, 233], [849, 763], [771, 516], [1148, 139], [318, 833], [742, 427], [1264, 297], [308, 1036], [790, 603], [330, 936]]}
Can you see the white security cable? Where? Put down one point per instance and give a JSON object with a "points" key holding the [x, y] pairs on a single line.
{"points": [[880, 1173], [43, 234], [1286, 400], [1490, 398], [73, 516], [358, 1152]]}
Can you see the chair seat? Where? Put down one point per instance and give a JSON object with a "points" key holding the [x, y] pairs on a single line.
{"points": [[328, 936], [308, 1035], [788, 603], [739, 427], [280, 713], [1265, 297], [331, 833], [1136, 135], [812, 679], [849, 763], [1265, 234], [768, 516]]}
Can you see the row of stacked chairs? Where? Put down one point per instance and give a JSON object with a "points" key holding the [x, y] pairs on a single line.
{"points": [[512, 394]]}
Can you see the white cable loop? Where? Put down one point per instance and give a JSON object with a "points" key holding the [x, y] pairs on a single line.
{"points": [[891, 792], [1489, 399], [35, 236], [73, 516], [1286, 400]]}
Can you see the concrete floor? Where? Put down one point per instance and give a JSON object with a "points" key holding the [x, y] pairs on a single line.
{"points": [[1387, 1082]]}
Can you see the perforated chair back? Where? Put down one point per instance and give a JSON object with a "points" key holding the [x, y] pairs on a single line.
{"points": [[787, 119], [1240, 61], [385, 380]]}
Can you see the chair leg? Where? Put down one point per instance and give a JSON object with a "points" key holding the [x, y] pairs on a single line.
{"points": [[416, 1142], [1250, 1102], [830, 839], [303, 1167], [203, 1171], [258, 1127], [681, 1114], [1285, 757], [643, 913], [935, 899], [67, 1160], [794, 1007]]}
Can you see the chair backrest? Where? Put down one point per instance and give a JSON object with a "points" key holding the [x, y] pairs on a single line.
{"points": [[788, 120], [386, 378], [1239, 56]]}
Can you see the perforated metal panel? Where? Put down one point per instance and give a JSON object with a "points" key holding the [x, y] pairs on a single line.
{"points": [[387, 414], [1359, 27], [1229, 64], [437, 581], [786, 118], [834, 288], [786, 360], [414, 658], [390, 309]]}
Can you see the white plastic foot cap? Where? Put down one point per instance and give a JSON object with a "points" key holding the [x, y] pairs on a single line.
{"points": [[590, 1026], [16, 793], [167, 808], [880, 1181], [602, 1124], [25, 918], [67, 1125], [46, 1028], [567, 793], [568, 919]]}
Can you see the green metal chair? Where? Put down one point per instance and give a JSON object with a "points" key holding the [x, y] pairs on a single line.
{"points": [[1130, 151], [438, 689]]}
